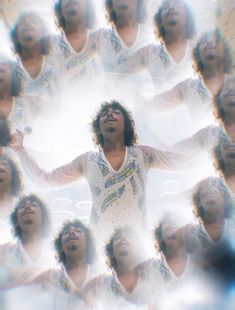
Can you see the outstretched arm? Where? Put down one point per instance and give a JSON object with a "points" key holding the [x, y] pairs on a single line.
{"points": [[202, 140], [168, 159], [63, 175], [167, 100], [134, 64], [161, 159]]}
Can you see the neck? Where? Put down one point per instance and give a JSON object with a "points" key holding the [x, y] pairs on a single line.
{"points": [[31, 236], [75, 27], [6, 203], [34, 52], [126, 22], [5, 94], [229, 120], [5, 195], [75, 263], [175, 37], [111, 144], [124, 268], [176, 254], [213, 72], [229, 172]]}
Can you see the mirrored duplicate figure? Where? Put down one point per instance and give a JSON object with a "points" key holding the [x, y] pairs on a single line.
{"points": [[212, 61], [13, 107], [10, 189], [170, 61], [175, 267], [116, 173], [224, 161], [75, 250], [11, 9], [37, 68], [76, 20], [225, 21], [126, 34], [5, 136], [213, 207], [29, 255], [224, 111], [126, 287]]}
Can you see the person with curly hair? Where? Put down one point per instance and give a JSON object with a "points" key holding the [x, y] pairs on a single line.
{"points": [[170, 61], [5, 135], [30, 255], [117, 172], [127, 32], [213, 208], [76, 254], [174, 265], [13, 107], [75, 22], [125, 288], [223, 108], [212, 62], [37, 68], [10, 190], [223, 155]]}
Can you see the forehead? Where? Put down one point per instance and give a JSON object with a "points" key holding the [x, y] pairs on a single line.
{"points": [[110, 108], [72, 226], [210, 36], [29, 201], [124, 233], [172, 3], [32, 18], [210, 183]]}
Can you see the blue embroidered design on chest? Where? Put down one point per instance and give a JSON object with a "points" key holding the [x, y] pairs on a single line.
{"points": [[200, 89], [112, 198], [165, 272], [163, 56], [115, 42], [130, 168], [97, 159]]}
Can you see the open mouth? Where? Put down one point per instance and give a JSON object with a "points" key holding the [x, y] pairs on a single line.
{"points": [[28, 37], [123, 244], [28, 212], [111, 120], [72, 238]]}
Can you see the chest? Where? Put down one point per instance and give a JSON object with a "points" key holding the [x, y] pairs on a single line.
{"points": [[115, 159], [33, 66], [177, 52], [77, 42], [78, 277], [128, 35], [129, 282], [178, 266], [215, 231]]}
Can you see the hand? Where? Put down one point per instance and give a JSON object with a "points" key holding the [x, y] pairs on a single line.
{"points": [[17, 140]]}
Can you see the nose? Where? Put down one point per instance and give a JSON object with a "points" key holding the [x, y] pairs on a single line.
{"points": [[211, 42], [27, 205], [72, 231]]}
